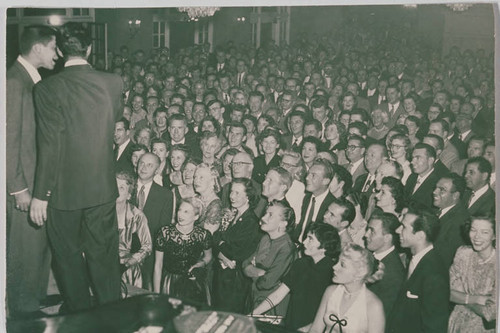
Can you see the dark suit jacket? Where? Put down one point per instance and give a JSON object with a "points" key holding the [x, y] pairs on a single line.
{"points": [[483, 206], [393, 117], [363, 196], [21, 142], [76, 114], [158, 208], [451, 233], [321, 212], [424, 193], [423, 302], [440, 169], [260, 168], [389, 287], [460, 145], [124, 163]]}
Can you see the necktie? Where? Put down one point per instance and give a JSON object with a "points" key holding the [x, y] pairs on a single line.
{"points": [[141, 198], [469, 203], [368, 183], [239, 79], [115, 152], [461, 137], [391, 112], [417, 185], [309, 218], [411, 267]]}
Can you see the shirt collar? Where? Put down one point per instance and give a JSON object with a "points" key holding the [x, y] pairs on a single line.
{"points": [[481, 191], [424, 177], [417, 257], [356, 164], [446, 210], [320, 197], [381, 255], [76, 62], [32, 71]]}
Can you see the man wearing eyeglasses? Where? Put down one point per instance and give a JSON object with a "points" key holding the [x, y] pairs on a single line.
{"points": [[241, 167], [286, 103], [355, 152]]}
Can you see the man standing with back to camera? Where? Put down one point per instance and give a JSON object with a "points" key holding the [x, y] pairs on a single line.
{"points": [[75, 187]]}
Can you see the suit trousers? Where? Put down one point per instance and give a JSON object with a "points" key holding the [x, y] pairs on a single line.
{"points": [[28, 261], [85, 250]]}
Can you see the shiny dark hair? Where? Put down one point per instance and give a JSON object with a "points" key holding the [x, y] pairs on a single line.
{"points": [[328, 238], [35, 34], [74, 39]]}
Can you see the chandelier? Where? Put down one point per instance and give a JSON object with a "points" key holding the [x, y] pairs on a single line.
{"points": [[195, 13], [459, 7]]}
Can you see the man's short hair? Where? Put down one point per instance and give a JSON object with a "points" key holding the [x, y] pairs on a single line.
{"points": [[256, 94], [457, 182], [426, 221], [429, 150], [361, 127], [342, 174], [236, 124], [390, 223], [35, 34], [125, 122], [358, 138], [349, 212], [159, 110], [439, 141], [177, 116], [327, 167], [482, 164], [444, 124], [74, 39], [285, 176], [315, 122]]}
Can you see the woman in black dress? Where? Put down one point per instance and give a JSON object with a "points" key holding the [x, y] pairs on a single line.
{"points": [[182, 252], [269, 142], [234, 241]]}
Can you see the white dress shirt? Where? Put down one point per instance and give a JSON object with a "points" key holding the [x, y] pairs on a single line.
{"points": [[477, 194], [32, 71], [416, 259], [147, 188]]}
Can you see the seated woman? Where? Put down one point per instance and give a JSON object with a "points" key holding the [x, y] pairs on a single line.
{"points": [[348, 303], [335, 136], [250, 123], [186, 189], [131, 223], [399, 151], [269, 143], [472, 280], [273, 257], [206, 184], [234, 241], [380, 118], [182, 252], [210, 145], [413, 125], [226, 159], [307, 279], [390, 198], [177, 157]]}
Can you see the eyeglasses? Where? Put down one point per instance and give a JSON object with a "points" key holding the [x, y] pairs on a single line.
{"points": [[352, 147], [237, 164], [397, 146]]}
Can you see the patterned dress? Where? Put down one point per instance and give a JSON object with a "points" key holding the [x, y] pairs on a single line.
{"points": [[469, 274], [181, 251]]}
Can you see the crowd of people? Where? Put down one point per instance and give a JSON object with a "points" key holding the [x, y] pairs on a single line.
{"points": [[339, 186]]}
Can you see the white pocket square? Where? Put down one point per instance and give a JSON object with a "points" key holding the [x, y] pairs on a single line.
{"points": [[410, 295]]}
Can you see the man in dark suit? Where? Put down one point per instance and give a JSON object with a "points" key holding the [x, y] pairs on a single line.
{"points": [[27, 271], [423, 301], [380, 238], [479, 198], [364, 185], [393, 106], [422, 181], [157, 204], [355, 152], [293, 140], [452, 216], [437, 143], [123, 146], [318, 198], [75, 187]]}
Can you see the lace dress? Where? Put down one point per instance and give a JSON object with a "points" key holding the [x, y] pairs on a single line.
{"points": [[181, 251], [469, 274], [135, 223]]}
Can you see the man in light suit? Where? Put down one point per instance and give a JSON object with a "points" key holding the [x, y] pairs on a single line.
{"points": [[423, 301], [75, 186], [449, 154], [27, 271]]}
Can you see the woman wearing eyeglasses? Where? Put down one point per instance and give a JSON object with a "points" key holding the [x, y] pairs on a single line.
{"points": [[399, 150]]}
